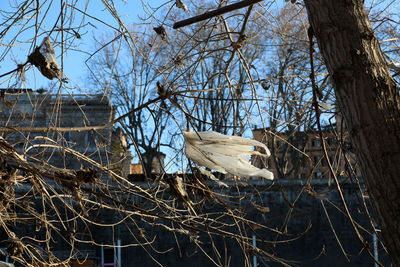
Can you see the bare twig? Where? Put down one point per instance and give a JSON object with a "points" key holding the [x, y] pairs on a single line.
{"points": [[214, 13]]}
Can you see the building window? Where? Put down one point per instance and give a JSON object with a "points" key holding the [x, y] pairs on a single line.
{"points": [[317, 161], [316, 142], [318, 175], [67, 136], [331, 141], [64, 139], [280, 143], [91, 139], [110, 256]]}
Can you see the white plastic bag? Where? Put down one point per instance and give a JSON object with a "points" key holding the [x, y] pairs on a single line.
{"points": [[225, 154]]}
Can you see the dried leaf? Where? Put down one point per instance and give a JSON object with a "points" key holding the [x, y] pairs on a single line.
{"points": [[178, 190], [160, 30], [212, 177], [44, 58]]}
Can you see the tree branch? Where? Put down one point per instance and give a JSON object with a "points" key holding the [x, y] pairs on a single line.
{"points": [[214, 13]]}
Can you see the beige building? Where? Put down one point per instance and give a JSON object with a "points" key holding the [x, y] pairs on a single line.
{"points": [[29, 119], [301, 155]]}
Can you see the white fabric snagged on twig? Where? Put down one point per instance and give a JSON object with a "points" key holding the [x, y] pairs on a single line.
{"points": [[212, 177], [326, 106], [225, 153]]}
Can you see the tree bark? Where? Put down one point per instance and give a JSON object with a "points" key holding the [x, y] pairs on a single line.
{"points": [[368, 98]]}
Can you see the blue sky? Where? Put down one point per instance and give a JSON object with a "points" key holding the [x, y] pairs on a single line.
{"points": [[73, 60]]}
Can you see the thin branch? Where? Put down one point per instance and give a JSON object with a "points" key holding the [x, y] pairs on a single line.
{"points": [[214, 13]]}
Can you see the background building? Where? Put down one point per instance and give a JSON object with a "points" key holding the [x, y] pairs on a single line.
{"points": [[29, 120], [301, 154]]}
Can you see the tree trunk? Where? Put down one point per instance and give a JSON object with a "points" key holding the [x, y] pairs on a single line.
{"points": [[369, 100]]}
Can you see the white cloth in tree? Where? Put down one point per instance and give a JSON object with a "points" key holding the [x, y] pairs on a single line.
{"points": [[225, 154]]}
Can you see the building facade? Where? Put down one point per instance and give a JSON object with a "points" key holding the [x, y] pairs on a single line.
{"points": [[48, 127], [301, 154]]}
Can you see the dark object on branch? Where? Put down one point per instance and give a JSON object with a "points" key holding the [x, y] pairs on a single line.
{"points": [[14, 247], [161, 90], [178, 189], [41, 91], [86, 175], [44, 59], [72, 180], [178, 60], [77, 35], [265, 85], [214, 13], [240, 41], [161, 32], [180, 4]]}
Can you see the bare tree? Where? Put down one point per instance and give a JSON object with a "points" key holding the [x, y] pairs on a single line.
{"points": [[130, 79], [217, 62], [210, 77], [286, 68], [368, 97]]}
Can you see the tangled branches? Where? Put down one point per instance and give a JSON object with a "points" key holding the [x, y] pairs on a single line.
{"points": [[68, 190]]}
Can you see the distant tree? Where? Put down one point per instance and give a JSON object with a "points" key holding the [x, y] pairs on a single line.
{"points": [[289, 109], [129, 76], [217, 61]]}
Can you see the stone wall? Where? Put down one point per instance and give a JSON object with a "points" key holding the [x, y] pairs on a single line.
{"points": [[299, 211]]}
